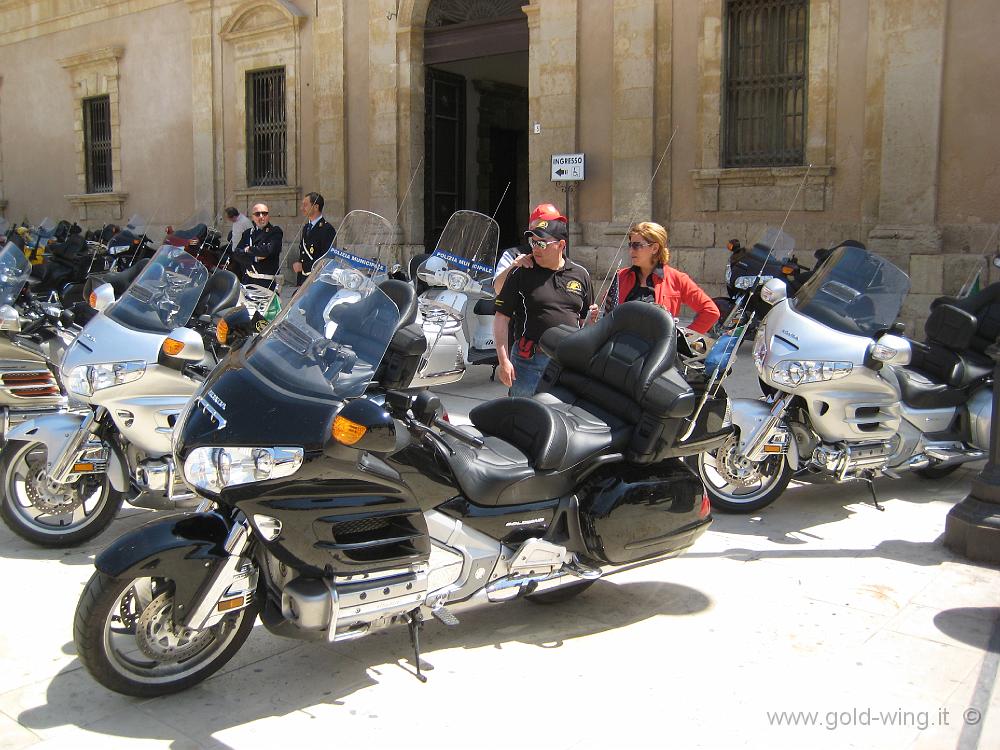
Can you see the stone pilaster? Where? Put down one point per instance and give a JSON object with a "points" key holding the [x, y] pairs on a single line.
{"points": [[410, 100], [913, 36], [203, 102], [632, 126], [328, 105], [552, 94], [383, 132]]}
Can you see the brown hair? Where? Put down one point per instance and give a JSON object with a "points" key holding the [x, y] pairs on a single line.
{"points": [[656, 234]]}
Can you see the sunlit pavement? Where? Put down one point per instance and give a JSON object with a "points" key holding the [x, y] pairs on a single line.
{"points": [[819, 622]]}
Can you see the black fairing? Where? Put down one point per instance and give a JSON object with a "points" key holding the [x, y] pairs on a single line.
{"points": [[187, 550], [511, 524], [342, 512], [630, 513]]}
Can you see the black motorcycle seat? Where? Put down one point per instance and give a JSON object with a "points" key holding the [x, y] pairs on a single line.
{"points": [[221, 292], [119, 280], [197, 232], [942, 364], [921, 392], [404, 296]]}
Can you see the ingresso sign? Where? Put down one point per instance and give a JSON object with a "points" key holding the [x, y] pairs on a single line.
{"points": [[567, 167]]}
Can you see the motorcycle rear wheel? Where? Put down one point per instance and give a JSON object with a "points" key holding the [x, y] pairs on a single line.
{"points": [[91, 502], [126, 639], [763, 484]]}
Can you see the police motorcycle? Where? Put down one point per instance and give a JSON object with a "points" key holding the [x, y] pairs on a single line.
{"points": [[129, 373], [850, 398], [345, 504], [456, 306]]}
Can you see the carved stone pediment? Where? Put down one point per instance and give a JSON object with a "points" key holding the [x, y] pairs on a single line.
{"points": [[261, 17]]}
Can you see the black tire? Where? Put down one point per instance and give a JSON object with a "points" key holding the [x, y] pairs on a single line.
{"points": [[102, 598], [937, 472], [52, 530], [775, 475], [561, 594]]}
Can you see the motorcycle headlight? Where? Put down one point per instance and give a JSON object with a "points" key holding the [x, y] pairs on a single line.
{"points": [[213, 469], [801, 371], [746, 282], [759, 349], [85, 380]]}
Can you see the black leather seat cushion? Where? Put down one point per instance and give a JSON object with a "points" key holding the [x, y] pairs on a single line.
{"points": [[221, 292], [404, 296], [119, 280], [197, 232], [942, 364], [985, 306], [921, 392]]}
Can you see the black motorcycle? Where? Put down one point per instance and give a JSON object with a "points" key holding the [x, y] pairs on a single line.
{"points": [[345, 504]]}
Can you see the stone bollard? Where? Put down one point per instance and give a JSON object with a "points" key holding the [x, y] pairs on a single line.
{"points": [[972, 528]]}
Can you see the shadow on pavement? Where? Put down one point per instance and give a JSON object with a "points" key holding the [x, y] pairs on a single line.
{"points": [[311, 675]]}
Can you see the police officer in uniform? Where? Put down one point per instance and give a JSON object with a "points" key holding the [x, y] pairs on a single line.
{"points": [[258, 253], [317, 236]]}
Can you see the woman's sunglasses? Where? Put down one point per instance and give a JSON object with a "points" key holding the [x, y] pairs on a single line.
{"points": [[638, 245]]}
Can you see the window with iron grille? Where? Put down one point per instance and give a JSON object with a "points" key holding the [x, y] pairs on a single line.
{"points": [[97, 144], [266, 132], [764, 101]]}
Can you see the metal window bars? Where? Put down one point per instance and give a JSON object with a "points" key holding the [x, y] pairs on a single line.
{"points": [[266, 127], [97, 144], [764, 101]]}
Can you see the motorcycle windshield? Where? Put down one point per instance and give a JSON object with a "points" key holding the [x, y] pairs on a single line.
{"points": [[191, 230], [45, 230], [774, 247], [854, 291], [122, 241], [14, 271], [468, 244], [329, 341], [164, 295]]}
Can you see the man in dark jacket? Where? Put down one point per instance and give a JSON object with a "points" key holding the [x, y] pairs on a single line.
{"points": [[317, 236], [258, 253]]}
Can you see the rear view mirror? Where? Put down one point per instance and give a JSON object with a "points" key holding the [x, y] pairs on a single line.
{"points": [[9, 319]]}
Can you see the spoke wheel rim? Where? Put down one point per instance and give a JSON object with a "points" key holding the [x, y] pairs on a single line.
{"points": [[757, 484]]}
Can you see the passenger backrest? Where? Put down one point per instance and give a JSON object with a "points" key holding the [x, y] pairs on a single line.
{"points": [[985, 306], [624, 365], [221, 292]]}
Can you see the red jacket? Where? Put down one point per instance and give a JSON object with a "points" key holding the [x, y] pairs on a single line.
{"points": [[671, 289]]}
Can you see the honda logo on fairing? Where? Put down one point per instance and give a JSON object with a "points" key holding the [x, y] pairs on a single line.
{"points": [[217, 400], [789, 334], [525, 523]]}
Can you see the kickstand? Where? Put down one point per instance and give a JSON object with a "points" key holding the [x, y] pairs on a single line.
{"points": [[871, 488], [415, 621]]}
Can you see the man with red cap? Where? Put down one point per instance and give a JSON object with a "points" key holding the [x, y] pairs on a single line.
{"points": [[548, 291]]}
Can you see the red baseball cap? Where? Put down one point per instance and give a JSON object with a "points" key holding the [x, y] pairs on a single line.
{"points": [[546, 211]]}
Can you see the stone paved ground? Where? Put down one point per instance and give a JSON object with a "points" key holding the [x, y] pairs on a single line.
{"points": [[820, 604]]}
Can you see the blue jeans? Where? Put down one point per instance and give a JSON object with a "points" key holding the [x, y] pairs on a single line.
{"points": [[527, 372]]}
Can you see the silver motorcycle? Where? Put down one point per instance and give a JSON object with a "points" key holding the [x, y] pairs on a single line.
{"points": [[129, 374], [850, 397]]}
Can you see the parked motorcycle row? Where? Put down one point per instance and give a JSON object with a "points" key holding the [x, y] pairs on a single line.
{"points": [[329, 494]]}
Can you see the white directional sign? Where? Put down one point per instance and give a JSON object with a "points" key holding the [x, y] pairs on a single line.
{"points": [[567, 167]]}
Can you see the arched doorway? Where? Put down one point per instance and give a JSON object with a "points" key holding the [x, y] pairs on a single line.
{"points": [[476, 114]]}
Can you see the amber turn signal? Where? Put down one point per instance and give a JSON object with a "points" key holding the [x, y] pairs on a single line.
{"points": [[222, 332], [92, 300], [787, 270], [347, 432], [172, 347]]}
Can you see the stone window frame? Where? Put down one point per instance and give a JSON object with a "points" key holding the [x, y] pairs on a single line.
{"points": [[266, 34], [768, 188], [96, 73]]}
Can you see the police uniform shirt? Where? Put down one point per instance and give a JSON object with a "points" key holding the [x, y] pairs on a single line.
{"points": [[546, 298], [316, 240], [261, 243]]}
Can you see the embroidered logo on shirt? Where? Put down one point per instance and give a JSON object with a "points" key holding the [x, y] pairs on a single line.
{"points": [[574, 286]]}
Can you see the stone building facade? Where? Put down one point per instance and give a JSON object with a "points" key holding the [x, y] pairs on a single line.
{"points": [[898, 146]]}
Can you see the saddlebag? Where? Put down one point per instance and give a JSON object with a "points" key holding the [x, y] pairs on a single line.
{"points": [[630, 513]]}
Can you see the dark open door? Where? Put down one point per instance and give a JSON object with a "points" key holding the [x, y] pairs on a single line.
{"points": [[444, 174]]}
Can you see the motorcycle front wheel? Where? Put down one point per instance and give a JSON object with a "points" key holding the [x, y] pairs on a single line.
{"points": [[126, 637], [50, 514], [736, 485]]}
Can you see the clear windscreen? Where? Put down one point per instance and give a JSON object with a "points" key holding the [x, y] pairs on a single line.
{"points": [[192, 229], [14, 272], [45, 230], [854, 291], [468, 244], [330, 339], [165, 293]]}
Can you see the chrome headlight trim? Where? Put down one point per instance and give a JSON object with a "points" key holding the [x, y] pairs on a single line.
{"points": [[85, 380], [793, 372], [213, 469]]}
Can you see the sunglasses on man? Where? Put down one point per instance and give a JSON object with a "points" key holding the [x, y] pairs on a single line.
{"points": [[538, 244], [260, 213]]}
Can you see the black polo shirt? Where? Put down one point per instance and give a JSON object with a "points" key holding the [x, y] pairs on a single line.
{"points": [[546, 298]]}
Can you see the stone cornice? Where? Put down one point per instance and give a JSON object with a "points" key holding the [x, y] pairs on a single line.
{"points": [[104, 54], [24, 19], [234, 28]]}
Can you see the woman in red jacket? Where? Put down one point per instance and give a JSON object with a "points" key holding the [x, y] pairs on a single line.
{"points": [[651, 279]]}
